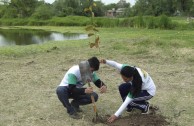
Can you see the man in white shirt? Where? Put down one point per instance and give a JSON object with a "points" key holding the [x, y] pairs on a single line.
{"points": [[72, 84]]}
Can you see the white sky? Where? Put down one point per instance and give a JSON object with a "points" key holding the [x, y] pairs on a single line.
{"points": [[103, 1]]}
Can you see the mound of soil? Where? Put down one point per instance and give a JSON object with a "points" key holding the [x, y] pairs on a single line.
{"points": [[138, 119]]}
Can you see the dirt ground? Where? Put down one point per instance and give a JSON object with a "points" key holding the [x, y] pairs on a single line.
{"points": [[28, 87], [141, 120], [29, 83], [135, 118]]}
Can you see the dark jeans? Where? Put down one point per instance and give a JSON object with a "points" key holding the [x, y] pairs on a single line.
{"points": [[139, 101], [64, 96]]}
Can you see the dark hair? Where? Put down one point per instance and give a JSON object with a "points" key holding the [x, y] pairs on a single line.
{"points": [[94, 63], [127, 71], [136, 83]]}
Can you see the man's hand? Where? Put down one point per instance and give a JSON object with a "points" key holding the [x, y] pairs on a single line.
{"points": [[103, 61], [103, 89], [89, 90], [112, 119]]}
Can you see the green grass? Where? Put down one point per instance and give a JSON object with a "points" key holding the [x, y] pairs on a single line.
{"points": [[182, 20], [149, 22], [30, 74]]}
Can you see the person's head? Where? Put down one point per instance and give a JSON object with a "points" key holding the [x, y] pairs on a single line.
{"points": [[94, 63], [127, 73]]}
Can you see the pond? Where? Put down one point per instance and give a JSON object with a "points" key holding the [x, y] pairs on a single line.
{"points": [[10, 37]]}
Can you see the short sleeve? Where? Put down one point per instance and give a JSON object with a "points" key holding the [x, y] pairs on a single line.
{"points": [[95, 77], [72, 79]]}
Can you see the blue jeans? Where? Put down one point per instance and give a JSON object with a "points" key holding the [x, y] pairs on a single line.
{"points": [[64, 95], [139, 101]]}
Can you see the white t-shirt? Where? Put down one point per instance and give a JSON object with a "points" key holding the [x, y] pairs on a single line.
{"points": [[148, 83], [73, 76]]}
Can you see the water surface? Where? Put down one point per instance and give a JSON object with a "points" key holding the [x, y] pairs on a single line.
{"points": [[9, 37]]}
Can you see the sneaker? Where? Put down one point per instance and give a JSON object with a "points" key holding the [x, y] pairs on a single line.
{"points": [[146, 110], [77, 109], [129, 110], [75, 116]]}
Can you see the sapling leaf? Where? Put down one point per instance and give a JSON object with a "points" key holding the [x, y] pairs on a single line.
{"points": [[90, 34], [94, 4], [92, 45], [86, 9], [95, 29], [97, 42], [89, 27]]}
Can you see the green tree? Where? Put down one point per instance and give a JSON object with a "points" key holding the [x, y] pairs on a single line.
{"points": [[2, 10], [186, 6], [66, 7], [24, 8], [59, 7], [159, 7], [191, 12], [140, 7], [72, 3], [44, 11], [99, 9], [9, 12], [5, 2], [85, 4], [111, 6]]}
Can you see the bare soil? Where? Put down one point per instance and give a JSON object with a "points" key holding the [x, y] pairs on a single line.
{"points": [[28, 84], [136, 119]]}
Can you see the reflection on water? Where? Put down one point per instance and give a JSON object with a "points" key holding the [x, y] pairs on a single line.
{"points": [[28, 36]]}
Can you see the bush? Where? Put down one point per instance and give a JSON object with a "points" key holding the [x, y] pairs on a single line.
{"points": [[139, 22], [69, 21], [10, 13], [37, 23], [106, 22], [164, 22], [150, 23], [127, 22]]}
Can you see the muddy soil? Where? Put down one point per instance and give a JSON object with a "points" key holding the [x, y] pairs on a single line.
{"points": [[137, 119]]}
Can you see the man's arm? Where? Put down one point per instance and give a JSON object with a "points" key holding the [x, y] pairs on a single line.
{"points": [[79, 91], [72, 80], [102, 87], [99, 83]]}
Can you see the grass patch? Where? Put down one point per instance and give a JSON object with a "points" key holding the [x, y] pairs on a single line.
{"points": [[30, 74], [149, 22]]}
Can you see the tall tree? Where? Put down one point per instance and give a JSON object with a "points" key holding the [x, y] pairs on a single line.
{"points": [[44, 11], [186, 5], [24, 8], [99, 9], [5, 2], [66, 7], [158, 7]]}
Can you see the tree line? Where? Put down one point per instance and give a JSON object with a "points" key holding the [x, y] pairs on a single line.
{"points": [[39, 9]]}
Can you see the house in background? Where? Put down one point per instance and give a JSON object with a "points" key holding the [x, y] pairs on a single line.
{"points": [[121, 3], [120, 12], [115, 13], [111, 13]]}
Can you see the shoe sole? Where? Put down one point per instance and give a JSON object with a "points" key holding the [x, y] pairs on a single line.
{"points": [[144, 113], [76, 117], [130, 111]]}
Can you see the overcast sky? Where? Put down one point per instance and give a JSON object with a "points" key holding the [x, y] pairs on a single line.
{"points": [[103, 1]]}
